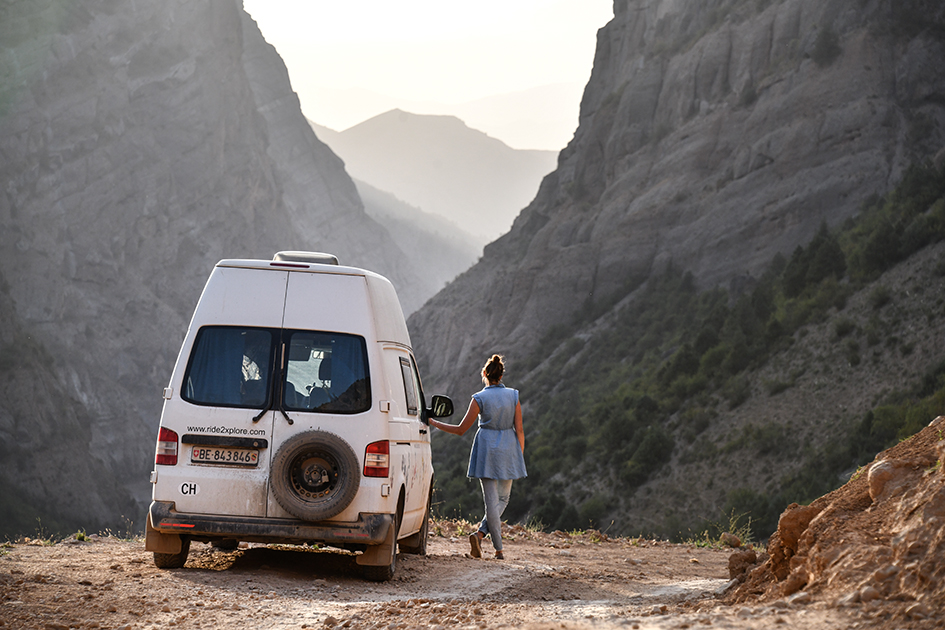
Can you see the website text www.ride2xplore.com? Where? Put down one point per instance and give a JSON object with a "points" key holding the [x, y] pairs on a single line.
{"points": [[226, 430]]}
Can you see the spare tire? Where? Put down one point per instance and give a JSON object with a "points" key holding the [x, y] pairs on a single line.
{"points": [[315, 475]]}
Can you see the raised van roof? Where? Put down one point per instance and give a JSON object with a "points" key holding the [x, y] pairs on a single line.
{"points": [[388, 313]]}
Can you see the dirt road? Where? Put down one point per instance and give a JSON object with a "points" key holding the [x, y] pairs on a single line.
{"points": [[869, 555], [547, 581]]}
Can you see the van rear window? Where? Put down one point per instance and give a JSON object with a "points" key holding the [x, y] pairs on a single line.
{"points": [[230, 367], [326, 372], [320, 372]]}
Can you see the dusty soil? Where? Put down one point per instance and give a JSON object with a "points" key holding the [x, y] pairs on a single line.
{"points": [[869, 555], [546, 581]]}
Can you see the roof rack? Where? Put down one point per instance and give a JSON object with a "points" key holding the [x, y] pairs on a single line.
{"points": [[317, 258]]}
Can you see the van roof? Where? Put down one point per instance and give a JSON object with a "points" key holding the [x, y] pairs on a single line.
{"points": [[294, 265], [388, 313]]}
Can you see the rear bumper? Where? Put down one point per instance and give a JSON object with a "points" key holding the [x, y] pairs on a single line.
{"points": [[369, 529]]}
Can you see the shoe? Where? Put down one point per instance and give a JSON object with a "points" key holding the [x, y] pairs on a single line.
{"points": [[475, 549], [499, 555]]}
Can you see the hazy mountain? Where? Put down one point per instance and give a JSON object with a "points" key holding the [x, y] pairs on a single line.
{"points": [[438, 248], [713, 136], [440, 165], [542, 117], [141, 142]]}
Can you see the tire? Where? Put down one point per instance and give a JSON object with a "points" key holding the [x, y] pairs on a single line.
{"points": [[386, 572], [417, 543], [315, 475], [173, 560]]}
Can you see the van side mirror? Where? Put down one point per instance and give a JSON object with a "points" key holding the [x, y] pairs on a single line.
{"points": [[440, 407]]}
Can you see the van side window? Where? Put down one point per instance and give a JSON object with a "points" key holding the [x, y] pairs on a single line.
{"points": [[326, 372], [416, 377], [410, 387], [230, 367]]}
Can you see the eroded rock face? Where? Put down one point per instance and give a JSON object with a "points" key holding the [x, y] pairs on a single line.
{"points": [[141, 142], [708, 139], [783, 545], [740, 562], [850, 546]]}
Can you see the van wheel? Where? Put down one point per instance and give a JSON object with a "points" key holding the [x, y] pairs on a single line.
{"points": [[315, 475], [173, 560]]}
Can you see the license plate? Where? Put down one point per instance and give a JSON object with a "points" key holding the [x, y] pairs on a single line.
{"points": [[234, 456]]}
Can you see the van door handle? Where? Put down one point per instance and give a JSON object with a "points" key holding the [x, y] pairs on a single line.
{"points": [[423, 431]]}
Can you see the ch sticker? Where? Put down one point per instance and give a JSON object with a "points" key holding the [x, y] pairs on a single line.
{"points": [[189, 488]]}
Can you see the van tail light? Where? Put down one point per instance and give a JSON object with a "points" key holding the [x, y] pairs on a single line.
{"points": [[166, 448], [377, 459]]}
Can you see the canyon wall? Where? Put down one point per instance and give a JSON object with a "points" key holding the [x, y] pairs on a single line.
{"points": [[140, 143], [713, 135]]}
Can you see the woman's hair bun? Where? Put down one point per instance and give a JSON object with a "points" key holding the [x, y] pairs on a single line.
{"points": [[494, 368]]}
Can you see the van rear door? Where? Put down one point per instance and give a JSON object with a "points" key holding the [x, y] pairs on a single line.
{"points": [[327, 324], [224, 380]]}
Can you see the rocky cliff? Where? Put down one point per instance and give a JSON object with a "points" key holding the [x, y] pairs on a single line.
{"points": [[141, 142], [712, 136]]}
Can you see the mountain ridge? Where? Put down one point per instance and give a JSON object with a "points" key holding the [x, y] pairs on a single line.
{"points": [[525, 119], [441, 165]]}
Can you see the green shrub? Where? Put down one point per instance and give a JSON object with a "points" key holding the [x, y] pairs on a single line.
{"points": [[758, 511], [593, 510], [852, 351], [569, 520], [843, 327], [654, 450], [736, 390], [711, 361], [776, 387], [555, 513], [880, 297]]}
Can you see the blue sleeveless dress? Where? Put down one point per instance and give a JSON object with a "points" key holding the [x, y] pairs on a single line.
{"points": [[495, 452]]}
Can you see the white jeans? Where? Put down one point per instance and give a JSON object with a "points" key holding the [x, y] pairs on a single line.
{"points": [[495, 494]]}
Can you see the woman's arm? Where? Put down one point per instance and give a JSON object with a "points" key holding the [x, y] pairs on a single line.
{"points": [[519, 427], [459, 429]]}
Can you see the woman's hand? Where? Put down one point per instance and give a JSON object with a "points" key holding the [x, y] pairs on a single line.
{"points": [[471, 414]]}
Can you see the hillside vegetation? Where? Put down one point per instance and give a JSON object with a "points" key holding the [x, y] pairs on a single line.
{"points": [[626, 393]]}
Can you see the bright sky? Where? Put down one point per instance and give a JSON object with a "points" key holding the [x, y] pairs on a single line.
{"points": [[349, 60]]}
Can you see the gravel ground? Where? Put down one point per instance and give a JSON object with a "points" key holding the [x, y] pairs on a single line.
{"points": [[546, 581]]}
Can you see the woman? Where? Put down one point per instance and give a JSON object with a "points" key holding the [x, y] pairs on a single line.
{"points": [[497, 455]]}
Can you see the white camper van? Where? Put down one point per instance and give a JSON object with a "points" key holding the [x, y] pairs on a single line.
{"points": [[295, 414]]}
